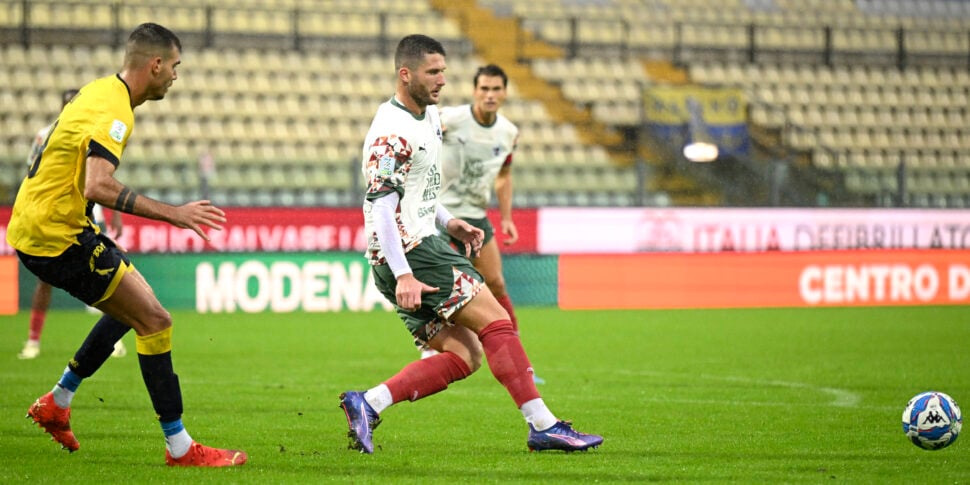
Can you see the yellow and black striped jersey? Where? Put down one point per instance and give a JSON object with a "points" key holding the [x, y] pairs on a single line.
{"points": [[50, 209]]}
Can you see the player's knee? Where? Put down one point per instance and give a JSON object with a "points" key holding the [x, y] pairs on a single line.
{"points": [[157, 319]]}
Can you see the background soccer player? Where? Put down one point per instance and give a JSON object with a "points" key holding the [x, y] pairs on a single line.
{"points": [[438, 294], [477, 156], [55, 238]]}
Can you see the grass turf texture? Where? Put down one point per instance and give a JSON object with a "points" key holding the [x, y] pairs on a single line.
{"points": [[751, 396]]}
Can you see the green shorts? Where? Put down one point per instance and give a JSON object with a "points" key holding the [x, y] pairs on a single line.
{"points": [[436, 264], [484, 224]]}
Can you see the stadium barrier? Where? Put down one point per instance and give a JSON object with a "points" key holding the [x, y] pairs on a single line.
{"points": [[277, 282], [311, 259], [280, 259], [768, 279], [9, 285], [341, 281], [274, 229], [704, 230]]}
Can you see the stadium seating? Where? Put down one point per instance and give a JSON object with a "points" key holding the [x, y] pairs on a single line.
{"points": [[872, 116], [827, 74], [281, 124], [280, 92]]}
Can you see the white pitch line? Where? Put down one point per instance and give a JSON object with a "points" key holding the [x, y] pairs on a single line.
{"points": [[840, 397]]}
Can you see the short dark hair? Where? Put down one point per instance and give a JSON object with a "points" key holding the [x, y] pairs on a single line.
{"points": [[151, 38], [491, 70], [67, 95], [412, 49]]}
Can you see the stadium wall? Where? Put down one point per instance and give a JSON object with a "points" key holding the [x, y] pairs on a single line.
{"points": [[9, 285], [274, 282], [310, 260], [769, 279]]}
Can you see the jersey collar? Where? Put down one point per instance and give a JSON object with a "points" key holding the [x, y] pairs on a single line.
{"points": [[395, 102], [126, 87], [471, 108]]}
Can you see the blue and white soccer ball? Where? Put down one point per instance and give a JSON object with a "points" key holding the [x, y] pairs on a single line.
{"points": [[932, 420]]}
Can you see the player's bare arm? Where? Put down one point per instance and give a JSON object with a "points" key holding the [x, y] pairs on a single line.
{"points": [[101, 187], [503, 191], [116, 225]]}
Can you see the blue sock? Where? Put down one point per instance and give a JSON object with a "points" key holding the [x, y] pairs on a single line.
{"points": [[172, 427], [64, 390], [70, 380], [177, 439]]}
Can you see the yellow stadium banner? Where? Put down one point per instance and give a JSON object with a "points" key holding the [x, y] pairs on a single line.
{"points": [[681, 115], [667, 105]]}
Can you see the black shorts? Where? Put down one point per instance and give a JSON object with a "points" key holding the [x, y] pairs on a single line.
{"points": [[90, 271]]}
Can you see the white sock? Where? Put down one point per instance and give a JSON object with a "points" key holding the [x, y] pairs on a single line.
{"points": [[62, 397], [379, 398], [178, 444], [538, 415]]}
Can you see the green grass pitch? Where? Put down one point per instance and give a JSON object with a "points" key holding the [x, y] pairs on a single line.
{"points": [[739, 396]]}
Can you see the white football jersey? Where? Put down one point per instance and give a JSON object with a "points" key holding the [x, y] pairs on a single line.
{"points": [[471, 158], [402, 154]]}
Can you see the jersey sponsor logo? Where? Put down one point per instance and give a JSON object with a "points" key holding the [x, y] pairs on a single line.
{"points": [[104, 271], [118, 130], [94, 256], [385, 166]]}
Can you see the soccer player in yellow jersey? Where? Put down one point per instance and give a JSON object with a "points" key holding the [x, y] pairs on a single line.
{"points": [[41, 299], [52, 230]]}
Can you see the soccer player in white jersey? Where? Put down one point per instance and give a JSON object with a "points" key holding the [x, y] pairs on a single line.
{"points": [[41, 299], [437, 292]]}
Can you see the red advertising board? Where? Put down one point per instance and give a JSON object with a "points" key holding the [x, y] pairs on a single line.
{"points": [[276, 230], [775, 279]]}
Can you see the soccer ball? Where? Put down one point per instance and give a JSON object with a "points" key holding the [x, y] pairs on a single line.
{"points": [[932, 420]]}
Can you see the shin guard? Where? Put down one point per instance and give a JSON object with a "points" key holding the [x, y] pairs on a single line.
{"points": [[425, 377], [98, 345], [155, 359], [508, 362]]}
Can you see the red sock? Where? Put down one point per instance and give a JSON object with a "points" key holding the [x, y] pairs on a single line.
{"points": [[425, 377], [36, 323], [506, 303], [508, 362]]}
